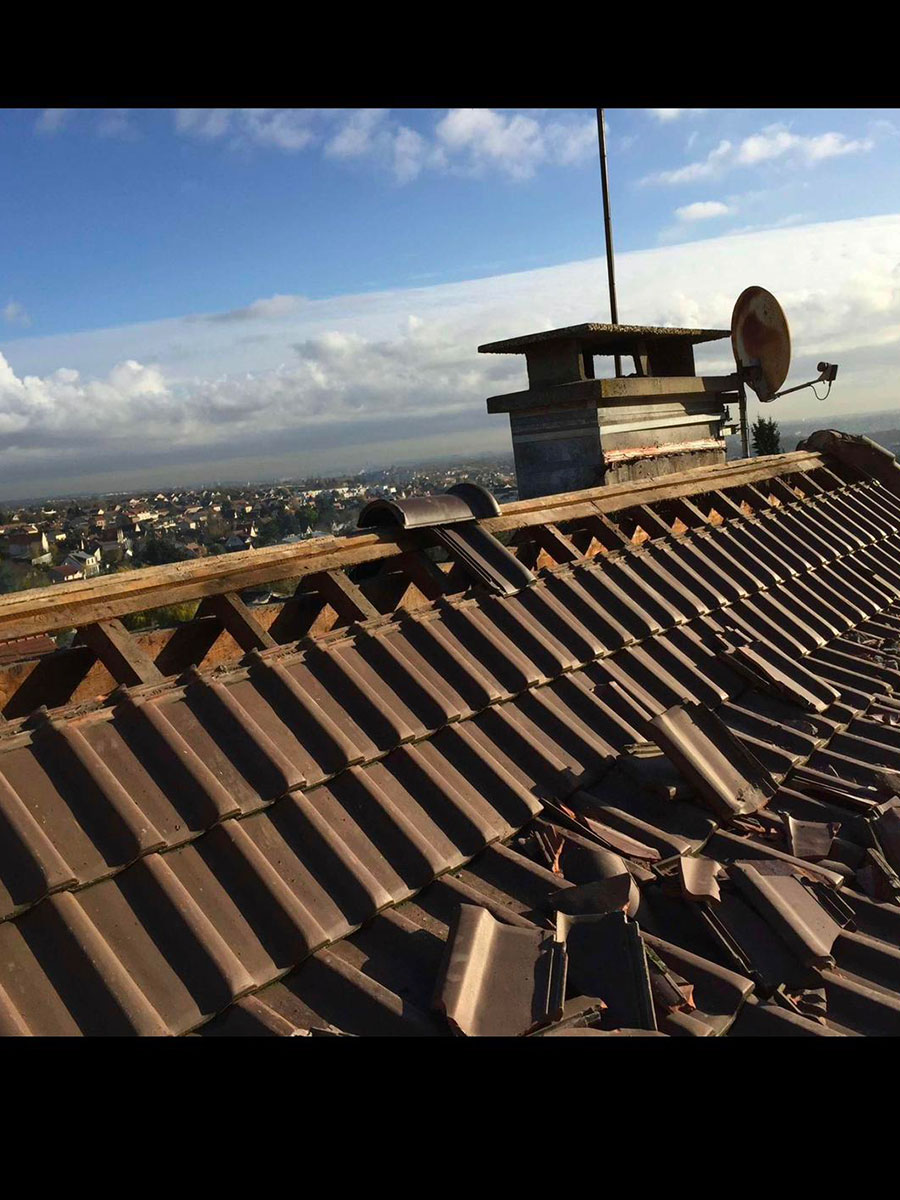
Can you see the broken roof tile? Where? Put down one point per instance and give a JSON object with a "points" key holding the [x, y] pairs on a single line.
{"points": [[178, 849], [607, 959], [724, 773], [499, 980]]}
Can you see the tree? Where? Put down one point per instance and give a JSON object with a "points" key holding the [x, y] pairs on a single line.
{"points": [[158, 550], [766, 436], [9, 581]]}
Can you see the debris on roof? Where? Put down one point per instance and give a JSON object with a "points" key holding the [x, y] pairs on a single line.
{"points": [[651, 784]]}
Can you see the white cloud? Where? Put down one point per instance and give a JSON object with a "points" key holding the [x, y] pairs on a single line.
{"points": [[273, 306], [702, 210], [117, 123], [713, 165], [516, 144], [673, 114], [208, 123], [370, 133], [356, 136], [462, 141], [292, 385], [288, 129], [775, 142], [410, 152], [52, 120], [15, 313]]}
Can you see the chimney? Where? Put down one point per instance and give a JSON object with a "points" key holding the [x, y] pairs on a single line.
{"points": [[571, 430]]}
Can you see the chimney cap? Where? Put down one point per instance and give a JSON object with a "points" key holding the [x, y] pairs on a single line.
{"points": [[604, 339]]}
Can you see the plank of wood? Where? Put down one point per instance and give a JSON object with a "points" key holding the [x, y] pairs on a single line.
{"points": [[652, 523], [344, 596], [617, 496], [688, 512], [64, 606], [428, 577], [237, 618], [781, 490], [125, 660], [726, 507], [555, 543], [607, 533]]}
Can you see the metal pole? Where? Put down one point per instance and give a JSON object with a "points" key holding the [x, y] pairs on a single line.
{"points": [[745, 441], [607, 225]]}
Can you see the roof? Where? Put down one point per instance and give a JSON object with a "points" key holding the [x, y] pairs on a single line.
{"points": [[605, 339], [657, 777]]}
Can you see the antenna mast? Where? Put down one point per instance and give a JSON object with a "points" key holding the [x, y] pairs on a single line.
{"points": [[607, 225]]}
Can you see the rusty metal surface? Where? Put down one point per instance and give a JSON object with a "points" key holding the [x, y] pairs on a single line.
{"points": [[604, 339], [760, 338], [166, 857]]}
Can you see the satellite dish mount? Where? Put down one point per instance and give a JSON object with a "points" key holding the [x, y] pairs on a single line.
{"points": [[761, 341]]}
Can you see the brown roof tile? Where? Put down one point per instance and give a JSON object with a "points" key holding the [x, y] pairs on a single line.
{"points": [[283, 844]]}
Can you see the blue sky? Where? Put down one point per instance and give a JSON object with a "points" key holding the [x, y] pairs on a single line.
{"points": [[195, 263]]}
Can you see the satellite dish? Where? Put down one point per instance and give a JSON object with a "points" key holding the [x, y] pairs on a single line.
{"points": [[761, 341]]}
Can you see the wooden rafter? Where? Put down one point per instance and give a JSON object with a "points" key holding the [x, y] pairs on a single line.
{"points": [[62, 606]]}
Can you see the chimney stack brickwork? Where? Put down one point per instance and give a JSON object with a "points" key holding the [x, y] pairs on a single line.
{"points": [[571, 430]]}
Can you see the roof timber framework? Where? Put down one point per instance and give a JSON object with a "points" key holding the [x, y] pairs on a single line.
{"points": [[396, 570], [377, 763]]}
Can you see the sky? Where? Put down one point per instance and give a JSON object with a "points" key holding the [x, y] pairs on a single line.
{"points": [[199, 294]]}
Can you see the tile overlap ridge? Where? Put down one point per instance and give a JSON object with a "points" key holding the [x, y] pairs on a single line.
{"points": [[576, 617]]}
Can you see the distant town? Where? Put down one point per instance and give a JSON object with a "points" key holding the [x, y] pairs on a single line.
{"points": [[59, 540], [46, 542]]}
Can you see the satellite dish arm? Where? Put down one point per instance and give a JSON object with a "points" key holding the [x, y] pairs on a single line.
{"points": [[827, 374]]}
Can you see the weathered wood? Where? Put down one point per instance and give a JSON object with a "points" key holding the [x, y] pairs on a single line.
{"points": [[237, 618], [63, 606], [53, 680], [555, 543], [76, 675], [831, 480], [596, 391], [344, 596], [806, 483], [297, 616], [726, 507], [607, 534], [122, 656], [613, 498], [784, 493], [688, 512], [651, 522], [425, 574]]}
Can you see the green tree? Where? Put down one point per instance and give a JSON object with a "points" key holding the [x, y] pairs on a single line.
{"points": [[20, 577], [766, 436], [8, 579], [158, 550], [217, 528]]}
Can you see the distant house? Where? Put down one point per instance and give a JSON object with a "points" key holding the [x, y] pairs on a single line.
{"points": [[85, 561], [28, 545], [114, 546], [66, 572]]}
